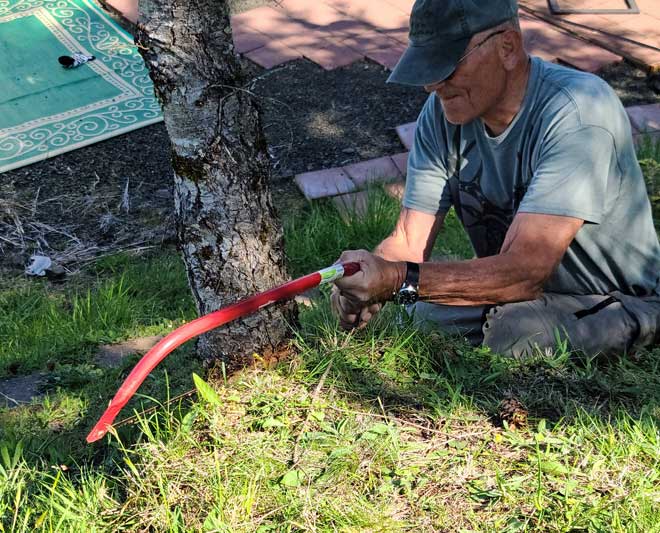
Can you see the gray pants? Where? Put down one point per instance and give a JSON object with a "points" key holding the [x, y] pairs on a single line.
{"points": [[613, 324]]}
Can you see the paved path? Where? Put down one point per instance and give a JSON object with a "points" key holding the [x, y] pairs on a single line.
{"points": [[346, 183], [637, 37], [335, 33]]}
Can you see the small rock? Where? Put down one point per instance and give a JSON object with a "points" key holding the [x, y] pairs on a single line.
{"points": [[112, 355], [20, 390]]}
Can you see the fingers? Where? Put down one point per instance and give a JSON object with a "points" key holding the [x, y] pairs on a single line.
{"points": [[356, 286], [376, 281], [342, 310], [352, 314], [353, 256], [367, 314]]}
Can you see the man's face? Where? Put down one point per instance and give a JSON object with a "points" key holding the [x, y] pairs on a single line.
{"points": [[476, 85]]}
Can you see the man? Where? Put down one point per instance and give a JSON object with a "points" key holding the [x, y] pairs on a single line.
{"points": [[538, 162]]}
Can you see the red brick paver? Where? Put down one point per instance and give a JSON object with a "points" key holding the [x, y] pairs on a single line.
{"points": [[273, 54], [370, 40], [322, 183], [380, 15], [333, 55], [403, 5], [327, 52], [324, 23], [315, 13], [615, 32], [388, 57], [127, 8], [645, 118], [401, 162], [382, 169], [379, 31], [543, 40], [406, 133], [246, 39]]}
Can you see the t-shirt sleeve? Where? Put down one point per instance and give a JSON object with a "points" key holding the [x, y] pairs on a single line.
{"points": [[571, 175], [427, 177]]}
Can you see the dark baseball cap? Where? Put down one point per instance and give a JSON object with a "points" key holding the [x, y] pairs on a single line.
{"points": [[440, 31]]}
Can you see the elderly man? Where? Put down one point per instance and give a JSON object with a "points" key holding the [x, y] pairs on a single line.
{"points": [[539, 164]]}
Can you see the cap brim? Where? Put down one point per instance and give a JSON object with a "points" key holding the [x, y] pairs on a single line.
{"points": [[424, 65]]}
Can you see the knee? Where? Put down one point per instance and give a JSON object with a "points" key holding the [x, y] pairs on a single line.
{"points": [[517, 330]]}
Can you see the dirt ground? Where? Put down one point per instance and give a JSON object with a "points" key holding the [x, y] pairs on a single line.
{"points": [[117, 193]]}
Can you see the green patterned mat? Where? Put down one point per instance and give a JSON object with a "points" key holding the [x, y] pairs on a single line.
{"points": [[45, 109]]}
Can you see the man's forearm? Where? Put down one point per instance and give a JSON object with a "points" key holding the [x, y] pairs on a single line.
{"points": [[393, 249], [412, 238], [489, 280]]}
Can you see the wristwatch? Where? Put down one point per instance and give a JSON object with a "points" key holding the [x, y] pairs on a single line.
{"points": [[408, 294]]}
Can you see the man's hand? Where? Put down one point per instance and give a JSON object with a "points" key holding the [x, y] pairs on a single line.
{"points": [[350, 316], [358, 298]]}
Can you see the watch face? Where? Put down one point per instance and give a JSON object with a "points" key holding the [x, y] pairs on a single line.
{"points": [[407, 295]]}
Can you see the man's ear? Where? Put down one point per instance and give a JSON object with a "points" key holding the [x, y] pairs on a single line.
{"points": [[510, 48]]}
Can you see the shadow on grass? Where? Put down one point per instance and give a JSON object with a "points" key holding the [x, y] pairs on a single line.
{"points": [[53, 429], [56, 331], [437, 377]]}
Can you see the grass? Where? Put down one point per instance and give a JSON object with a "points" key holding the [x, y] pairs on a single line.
{"points": [[57, 331], [128, 297], [649, 160], [385, 429], [403, 435]]}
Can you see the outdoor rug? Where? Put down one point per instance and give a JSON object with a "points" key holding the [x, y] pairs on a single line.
{"points": [[45, 109]]}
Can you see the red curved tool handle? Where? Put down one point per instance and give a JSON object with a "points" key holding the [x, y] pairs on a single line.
{"points": [[195, 328]]}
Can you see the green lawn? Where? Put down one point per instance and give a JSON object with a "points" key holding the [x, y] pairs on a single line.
{"points": [[385, 429]]}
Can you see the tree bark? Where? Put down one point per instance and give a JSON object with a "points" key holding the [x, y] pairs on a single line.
{"points": [[229, 235]]}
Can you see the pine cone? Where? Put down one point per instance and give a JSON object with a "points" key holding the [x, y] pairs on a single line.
{"points": [[513, 412]]}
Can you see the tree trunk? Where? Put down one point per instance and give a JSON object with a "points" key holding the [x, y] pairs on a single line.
{"points": [[228, 231]]}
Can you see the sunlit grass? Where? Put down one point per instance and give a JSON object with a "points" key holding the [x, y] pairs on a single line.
{"points": [[127, 297], [403, 434]]}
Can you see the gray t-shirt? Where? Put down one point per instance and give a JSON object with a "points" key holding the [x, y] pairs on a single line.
{"points": [[569, 151]]}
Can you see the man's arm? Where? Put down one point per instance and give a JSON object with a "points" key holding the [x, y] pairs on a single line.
{"points": [[532, 250], [533, 247], [413, 237]]}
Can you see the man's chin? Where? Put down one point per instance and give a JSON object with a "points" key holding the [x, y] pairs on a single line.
{"points": [[456, 118]]}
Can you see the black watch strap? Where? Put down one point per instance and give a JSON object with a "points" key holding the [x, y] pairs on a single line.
{"points": [[412, 274], [408, 293]]}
